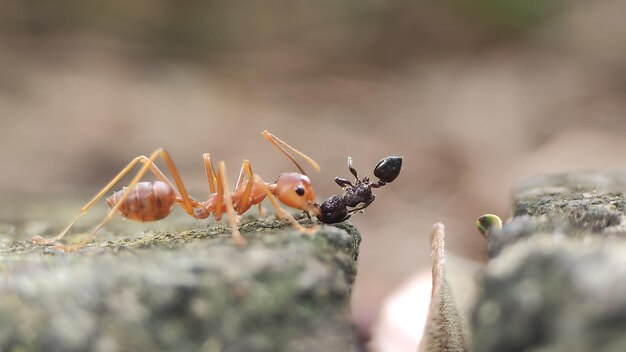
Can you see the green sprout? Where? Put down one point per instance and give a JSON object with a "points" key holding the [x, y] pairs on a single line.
{"points": [[488, 223]]}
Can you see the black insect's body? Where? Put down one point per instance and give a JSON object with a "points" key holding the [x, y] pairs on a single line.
{"points": [[359, 193], [358, 196], [333, 210]]}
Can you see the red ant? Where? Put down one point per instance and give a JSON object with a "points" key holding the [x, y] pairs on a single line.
{"points": [[154, 200]]}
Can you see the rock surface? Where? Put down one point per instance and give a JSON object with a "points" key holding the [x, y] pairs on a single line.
{"points": [[556, 280], [185, 291]]}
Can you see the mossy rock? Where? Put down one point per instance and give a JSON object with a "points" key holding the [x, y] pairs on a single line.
{"points": [[555, 281], [183, 291]]}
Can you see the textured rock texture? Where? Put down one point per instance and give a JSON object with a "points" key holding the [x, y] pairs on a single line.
{"points": [[183, 291], [557, 277]]}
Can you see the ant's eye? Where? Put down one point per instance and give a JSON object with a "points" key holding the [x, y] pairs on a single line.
{"points": [[300, 190]]}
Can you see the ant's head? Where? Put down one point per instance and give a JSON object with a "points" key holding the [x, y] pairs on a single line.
{"points": [[333, 210], [295, 190]]}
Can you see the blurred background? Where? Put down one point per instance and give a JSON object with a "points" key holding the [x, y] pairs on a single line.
{"points": [[474, 94]]}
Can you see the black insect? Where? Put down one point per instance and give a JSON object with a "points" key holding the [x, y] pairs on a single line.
{"points": [[358, 196]]}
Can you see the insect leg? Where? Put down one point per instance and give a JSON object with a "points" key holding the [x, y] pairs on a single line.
{"points": [[210, 174], [230, 210], [244, 202], [342, 182], [86, 207], [187, 203]]}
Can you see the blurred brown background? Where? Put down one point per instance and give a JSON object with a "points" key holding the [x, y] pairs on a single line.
{"points": [[474, 94]]}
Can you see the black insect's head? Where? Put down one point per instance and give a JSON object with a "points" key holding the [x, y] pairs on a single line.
{"points": [[333, 210]]}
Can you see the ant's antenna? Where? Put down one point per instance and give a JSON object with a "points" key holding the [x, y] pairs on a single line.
{"points": [[278, 143]]}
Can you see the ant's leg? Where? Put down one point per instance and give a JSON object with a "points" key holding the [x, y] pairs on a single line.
{"points": [[244, 202], [210, 174], [230, 210], [280, 212], [342, 182], [278, 143], [242, 173], [85, 208], [261, 210], [187, 203], [216, 186], [247, 168]]}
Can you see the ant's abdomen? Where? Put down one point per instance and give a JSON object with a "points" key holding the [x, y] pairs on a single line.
{"points": [[147, 201]]}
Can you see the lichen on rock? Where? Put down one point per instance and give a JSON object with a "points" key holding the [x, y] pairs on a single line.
{"points": [[555, 281], [183, 291]]}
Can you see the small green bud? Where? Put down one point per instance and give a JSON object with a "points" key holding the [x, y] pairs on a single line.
{"points": [[488, 223]]}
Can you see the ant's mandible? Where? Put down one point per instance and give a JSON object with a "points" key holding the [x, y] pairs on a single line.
{"points": [[357, 196], [154, 200]]}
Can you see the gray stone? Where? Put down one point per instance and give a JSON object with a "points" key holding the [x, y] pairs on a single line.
{"points": [[183, 291], [556, 278]]}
